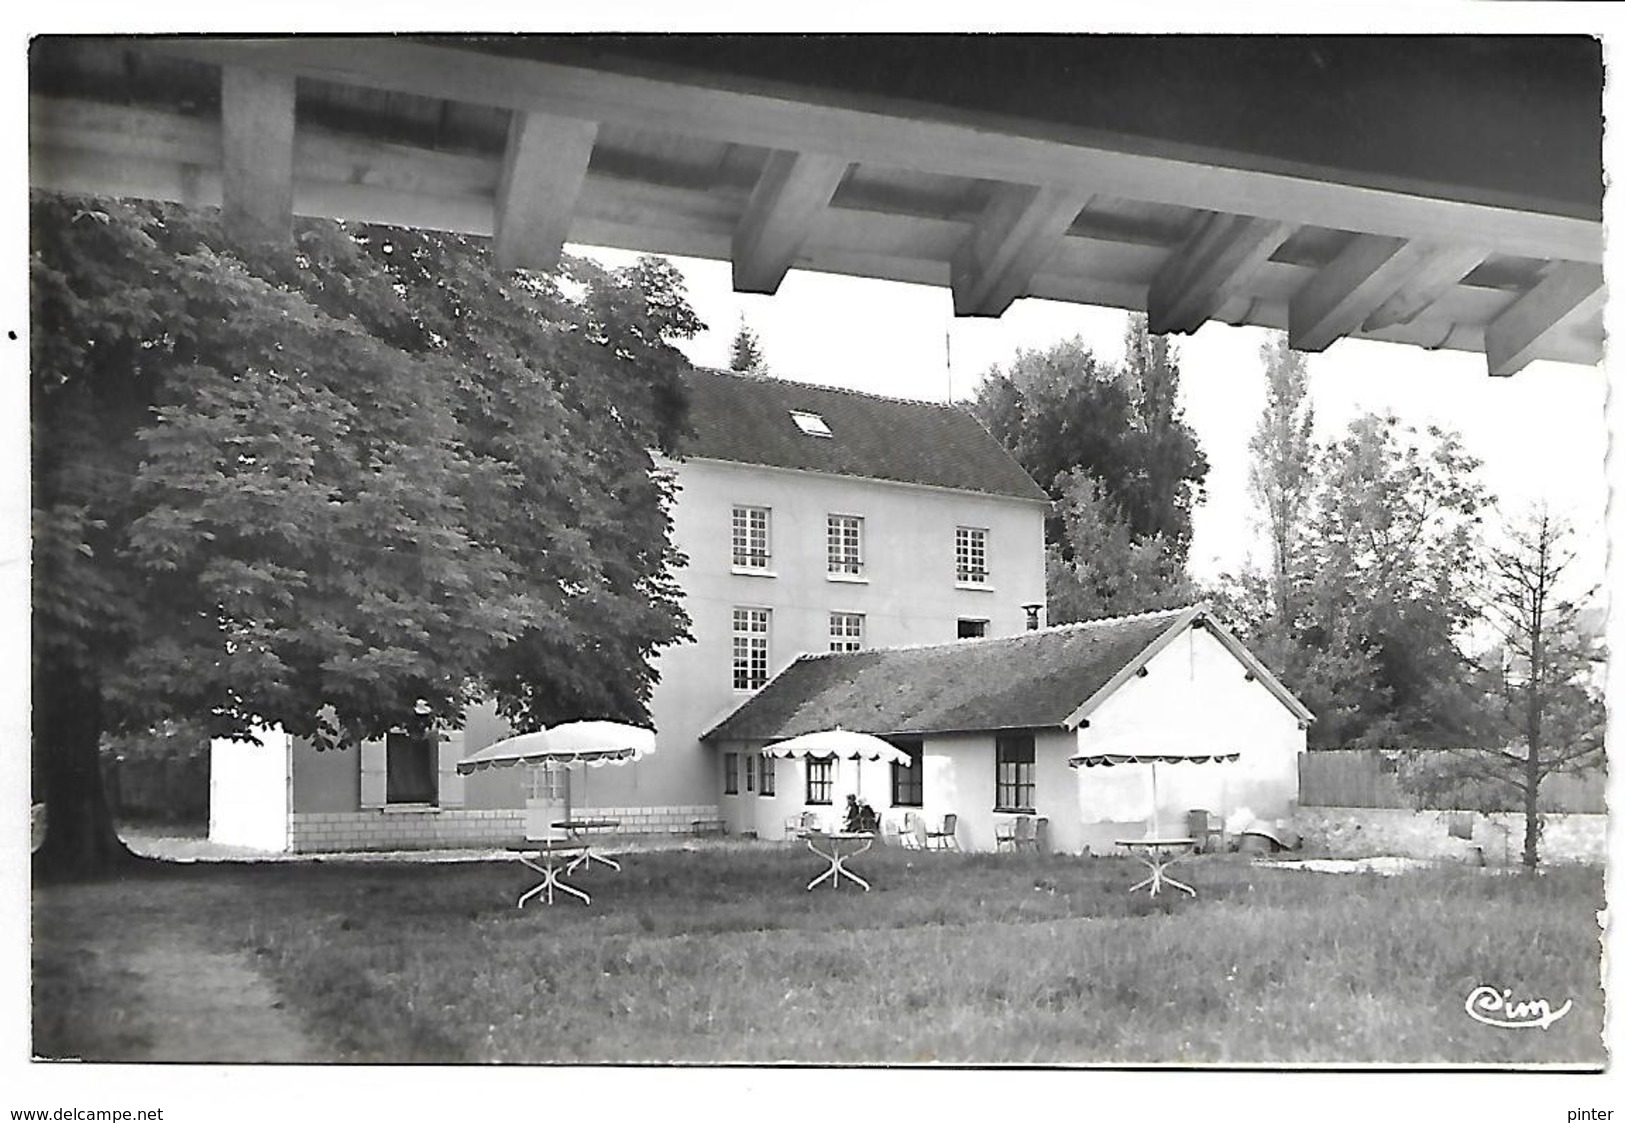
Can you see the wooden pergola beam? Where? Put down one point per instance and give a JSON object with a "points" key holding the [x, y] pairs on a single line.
{"points": [[1018, 229], [859, 134], [1569, 289], [793, 189], [1337, 300], [543, 168], [1437, 274], [1215, 261], [256, 154]]}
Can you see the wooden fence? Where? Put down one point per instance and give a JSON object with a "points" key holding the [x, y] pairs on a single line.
{"points": [[1369, 778]]}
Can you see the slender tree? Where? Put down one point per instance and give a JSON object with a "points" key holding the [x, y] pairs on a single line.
{"points": [[1541, 712], [1281, 473], [343, 486]]}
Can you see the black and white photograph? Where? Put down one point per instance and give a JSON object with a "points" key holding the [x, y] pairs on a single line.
{"points": [[821, 563]]}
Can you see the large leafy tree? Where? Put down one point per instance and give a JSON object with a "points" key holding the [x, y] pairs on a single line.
{"points": [[1540, 711], [1063, 409], [1391, 554], [344, 485]]}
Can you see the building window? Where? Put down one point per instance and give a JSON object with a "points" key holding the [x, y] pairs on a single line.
{"points": [[845, 538], [750, 772], [820, 780], [972, 629], [1013, 773], [770, 778], [908, 780], [750, 647], [846, 631], [730, 773], [970, 555], [410, 767], [811, 424], [752, 537]]}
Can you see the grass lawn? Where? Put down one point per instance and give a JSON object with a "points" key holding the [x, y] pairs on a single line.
{"points": [[720, 955]]}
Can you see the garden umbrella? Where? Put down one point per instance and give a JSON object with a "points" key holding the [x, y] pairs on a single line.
{"points": [[843, 743], [564, 744], [589, 743], [1105, 756]]}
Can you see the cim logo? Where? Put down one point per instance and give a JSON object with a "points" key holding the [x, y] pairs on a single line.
{"points": [[1495, 1008]]}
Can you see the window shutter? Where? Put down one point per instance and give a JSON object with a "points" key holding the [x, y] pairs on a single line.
{"points": [[374, 773], [450, 790]]}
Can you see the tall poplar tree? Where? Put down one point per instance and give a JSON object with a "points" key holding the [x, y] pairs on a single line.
{"points": [[1280, 475]]}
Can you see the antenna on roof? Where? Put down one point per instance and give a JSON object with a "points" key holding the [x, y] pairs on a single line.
{"points": [[948, 351]]}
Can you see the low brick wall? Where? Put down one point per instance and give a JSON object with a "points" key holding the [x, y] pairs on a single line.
{"points": [[435, 829], [1358, 832]]}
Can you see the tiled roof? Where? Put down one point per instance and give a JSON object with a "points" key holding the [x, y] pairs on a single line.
{"points": [[746, 418], [1041, 679]]}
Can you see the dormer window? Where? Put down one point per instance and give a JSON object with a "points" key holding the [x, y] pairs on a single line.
{"points": [[811, 424]]}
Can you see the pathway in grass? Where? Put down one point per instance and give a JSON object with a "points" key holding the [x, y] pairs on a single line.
{"points": [[208, 1006]]}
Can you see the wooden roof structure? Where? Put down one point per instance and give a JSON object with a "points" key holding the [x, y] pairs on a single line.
{"points": [[1439, 191]]}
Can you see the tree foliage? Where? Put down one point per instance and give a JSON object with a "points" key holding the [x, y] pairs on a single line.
{"points": [[1392, 552], [1380, 571], [1539, 712], [745, 354], [1280, 475], [1100, 569], [343, 486], [1062, 409]]}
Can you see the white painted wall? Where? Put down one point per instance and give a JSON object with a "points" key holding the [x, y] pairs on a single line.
{"points": [[908, 596], [249, 791], [1195, 693]]}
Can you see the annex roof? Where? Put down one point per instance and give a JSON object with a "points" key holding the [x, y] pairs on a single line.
{"points": [[1049, 678], [752, 419]]}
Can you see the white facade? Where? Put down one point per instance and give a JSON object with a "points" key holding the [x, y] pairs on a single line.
{"points": [[1195, 694], [907, 592], [250, 791]]}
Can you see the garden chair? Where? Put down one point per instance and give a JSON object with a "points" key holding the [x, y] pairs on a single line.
{"points": [[944, 837], [1026, 833], [1207, 829], [806, 821], [1004, 834]]}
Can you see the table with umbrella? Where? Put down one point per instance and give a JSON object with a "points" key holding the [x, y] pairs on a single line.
{"points": [[1156, 850], [590, 744], [837, 847]]}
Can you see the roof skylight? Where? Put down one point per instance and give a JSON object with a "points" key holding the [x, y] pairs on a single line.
{"points": [[811, 424]]}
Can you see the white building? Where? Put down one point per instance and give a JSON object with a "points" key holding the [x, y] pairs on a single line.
{"points": [[993, 725], [813, 520]]}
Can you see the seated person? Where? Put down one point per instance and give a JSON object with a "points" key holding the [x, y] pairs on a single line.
{"points": [[859, 816]]}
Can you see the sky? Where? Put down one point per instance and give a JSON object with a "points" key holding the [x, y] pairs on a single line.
{"points": [[1540, 433]]}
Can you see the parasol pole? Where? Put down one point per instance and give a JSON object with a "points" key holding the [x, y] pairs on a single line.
{"points": [[1156, 824]]}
